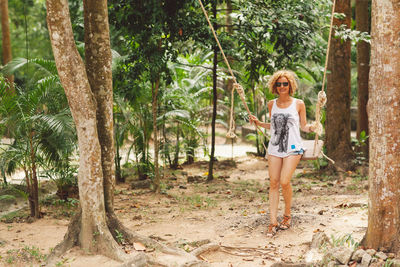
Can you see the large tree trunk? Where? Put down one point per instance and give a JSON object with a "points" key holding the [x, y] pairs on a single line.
{"points": [[338, 93], [363, 48], [5, 28], [384, 116], [98, 66]]}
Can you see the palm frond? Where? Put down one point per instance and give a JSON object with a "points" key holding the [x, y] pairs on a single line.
{"points": [[182, 114], [47, 66]]}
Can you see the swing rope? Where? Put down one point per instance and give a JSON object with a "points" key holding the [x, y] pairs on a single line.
{"points": [[322, 99], [317, 125], [236, 85]]}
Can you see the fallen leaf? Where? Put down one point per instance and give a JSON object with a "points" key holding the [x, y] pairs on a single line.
{"points": [[139, 246]]}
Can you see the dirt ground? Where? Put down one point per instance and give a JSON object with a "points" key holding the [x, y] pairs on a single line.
{"points": [[231, 211]]}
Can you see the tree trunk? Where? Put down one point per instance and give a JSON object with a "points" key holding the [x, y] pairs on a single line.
{"points": [[117, 159], [98, 67], [363, 50], [33, 186], [92, 234], [175, 162], [384, 116], [5, 28], [338, 139], [229, 27], [29, 191], [215, 96], [154, 91]]}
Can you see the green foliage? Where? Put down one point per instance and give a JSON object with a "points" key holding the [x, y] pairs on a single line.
{"points": [[276, 34], [362, 140], [7, 198], [119, 237], [186, 103], [14, 215], [149, 30], [355, 36], [360, 158], [345, 240], [35, 127], [388, 263], [28, 29], [40, 130], [68, 203], [134, 119], [25, 254], [63, 175]]}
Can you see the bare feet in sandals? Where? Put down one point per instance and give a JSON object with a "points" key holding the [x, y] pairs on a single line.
{"points": [[286, 222], [272, 230]]}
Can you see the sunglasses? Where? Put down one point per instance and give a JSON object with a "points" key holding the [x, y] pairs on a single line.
{"points": [[278, 84]]}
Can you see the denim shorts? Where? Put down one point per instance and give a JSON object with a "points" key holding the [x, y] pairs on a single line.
{"points": [[297, 152]]}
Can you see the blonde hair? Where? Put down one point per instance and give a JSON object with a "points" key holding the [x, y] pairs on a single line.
{"points": [[289, 75]]}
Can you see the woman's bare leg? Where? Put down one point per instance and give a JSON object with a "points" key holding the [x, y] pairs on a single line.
{"points": [[274, 170], [289, 165]]}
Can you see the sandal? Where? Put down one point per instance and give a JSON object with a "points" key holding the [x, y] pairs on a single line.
{"points": [[272, 230], [286, 222]]}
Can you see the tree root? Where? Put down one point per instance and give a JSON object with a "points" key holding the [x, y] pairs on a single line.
{"points": [[69, 241], [156, 254], [235, 251], [162, 255], [206, 248]]}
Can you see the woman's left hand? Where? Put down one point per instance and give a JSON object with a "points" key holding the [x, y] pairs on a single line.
{"points": [[253, 119]]}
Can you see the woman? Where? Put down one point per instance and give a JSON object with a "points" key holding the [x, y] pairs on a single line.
{"points": [[288, 116]]}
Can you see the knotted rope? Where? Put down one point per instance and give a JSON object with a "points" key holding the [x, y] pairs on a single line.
{"points": [[317, 125], [237, 86]]}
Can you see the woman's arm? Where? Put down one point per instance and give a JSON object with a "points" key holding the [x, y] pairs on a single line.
{"points": [[257, 122], [301, 108]]}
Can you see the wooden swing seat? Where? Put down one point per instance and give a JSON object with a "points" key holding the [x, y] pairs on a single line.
{"points": [[312, 150]]}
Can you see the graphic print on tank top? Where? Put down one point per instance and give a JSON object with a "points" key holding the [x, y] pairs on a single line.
{"points": [[281, 124]]}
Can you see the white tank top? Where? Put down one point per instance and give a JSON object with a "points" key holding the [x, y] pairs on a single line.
{"points": [[285, 130]]}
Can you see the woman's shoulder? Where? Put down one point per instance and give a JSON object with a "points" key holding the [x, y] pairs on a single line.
{"points": [[300, 105], [298, 101]]}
